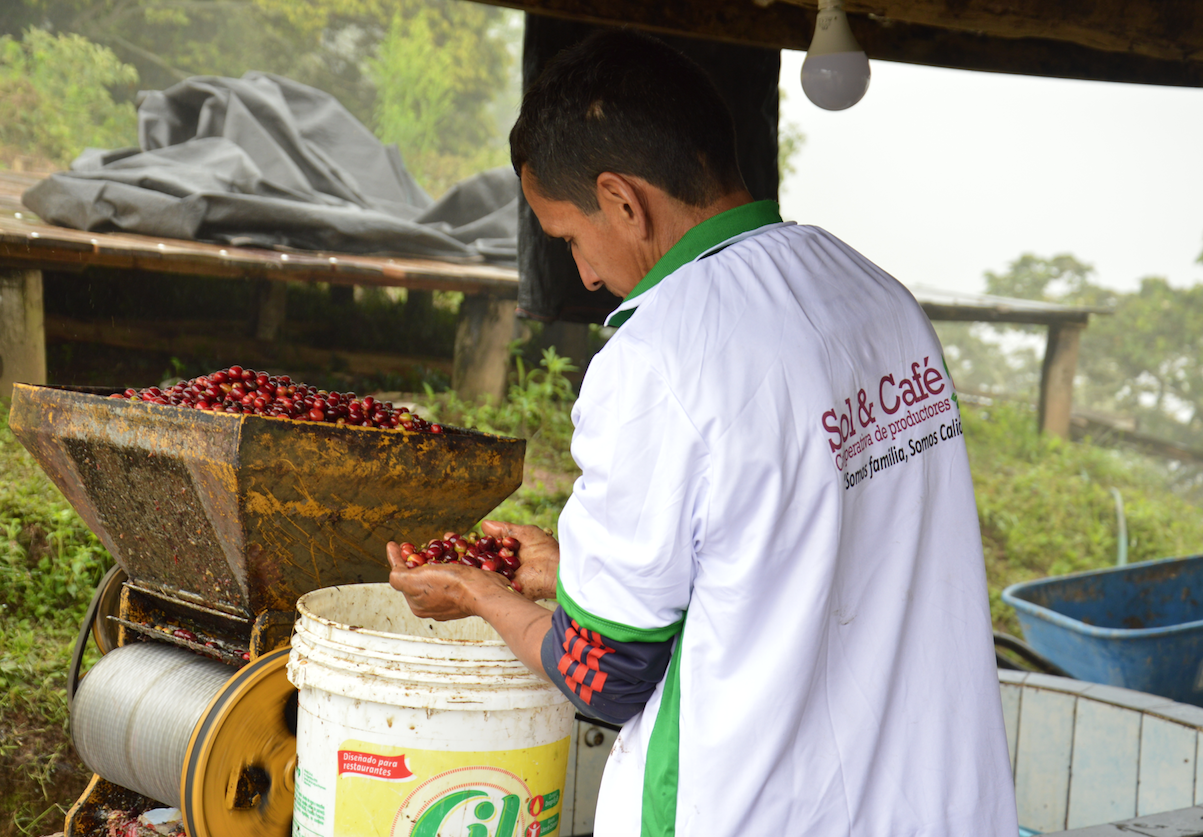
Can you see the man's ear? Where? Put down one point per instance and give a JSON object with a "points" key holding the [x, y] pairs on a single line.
{"points": [[624, 203]]}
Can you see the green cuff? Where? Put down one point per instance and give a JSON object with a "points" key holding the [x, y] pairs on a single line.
{"points": [[613, 630]]}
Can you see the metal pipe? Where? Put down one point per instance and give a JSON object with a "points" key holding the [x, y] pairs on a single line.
{"points": [[1121, 547]]}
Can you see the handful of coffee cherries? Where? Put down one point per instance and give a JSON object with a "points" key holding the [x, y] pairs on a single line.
{"points": [[498, 555]]}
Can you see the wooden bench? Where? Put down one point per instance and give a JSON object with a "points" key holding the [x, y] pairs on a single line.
{"points": [[28, 246]]}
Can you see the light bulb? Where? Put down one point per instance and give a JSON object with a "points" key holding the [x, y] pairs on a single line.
{"points": [[835, 74]]}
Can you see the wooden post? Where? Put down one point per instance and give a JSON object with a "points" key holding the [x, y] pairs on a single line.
{"points": [[22, 338], [482, 346], [1057, 378], [419, 308], [273, 307]]}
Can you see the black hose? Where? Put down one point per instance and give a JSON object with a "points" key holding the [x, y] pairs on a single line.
{"points": [[85, 631], [1034, 659]]}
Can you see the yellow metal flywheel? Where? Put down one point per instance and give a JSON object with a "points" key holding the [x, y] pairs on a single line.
{"points": [[238, 772], [108, 603]]}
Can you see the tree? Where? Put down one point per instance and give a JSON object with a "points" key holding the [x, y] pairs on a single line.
{"points": [[790, 140], [1061, 278], [431, 72], [1147, 360], [438, 69], [60, 84]]}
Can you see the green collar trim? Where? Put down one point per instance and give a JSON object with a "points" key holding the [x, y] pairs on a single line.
{"points": [[696, 242]]}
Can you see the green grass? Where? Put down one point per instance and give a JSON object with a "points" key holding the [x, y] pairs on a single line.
{"points": [[49, 565], [1046, 506], [49, 561]]}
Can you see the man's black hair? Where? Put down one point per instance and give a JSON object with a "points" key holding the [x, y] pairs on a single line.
{"points": [[625, 102]]}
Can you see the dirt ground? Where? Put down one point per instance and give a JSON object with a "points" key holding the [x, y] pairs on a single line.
{"points": [[37, 804]]}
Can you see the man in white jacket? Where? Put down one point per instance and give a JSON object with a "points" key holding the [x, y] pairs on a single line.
{"points": [[770, 569]]}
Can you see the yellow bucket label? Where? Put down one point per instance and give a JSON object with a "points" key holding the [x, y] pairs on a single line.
{"points": [[403, 792]]}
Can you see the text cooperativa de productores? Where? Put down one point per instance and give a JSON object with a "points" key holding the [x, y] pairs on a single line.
{"points": [[904, 401]]}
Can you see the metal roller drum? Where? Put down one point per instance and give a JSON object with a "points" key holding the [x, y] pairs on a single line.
{"points": [[134, 713]]}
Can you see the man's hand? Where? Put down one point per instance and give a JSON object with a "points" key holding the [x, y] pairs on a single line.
{"points": [[540, 556], [441, 591], [453, 591]]}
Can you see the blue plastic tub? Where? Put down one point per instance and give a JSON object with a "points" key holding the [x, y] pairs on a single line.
{"points": [[1139, 626]]}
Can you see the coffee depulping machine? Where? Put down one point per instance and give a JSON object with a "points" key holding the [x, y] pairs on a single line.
{"points": [[218, 523]]}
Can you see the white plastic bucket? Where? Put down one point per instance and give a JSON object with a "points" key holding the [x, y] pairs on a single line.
{"points": [[413, 728]]}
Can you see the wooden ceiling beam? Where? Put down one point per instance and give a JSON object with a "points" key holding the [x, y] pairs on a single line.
{"points": [[1168, 30], [958, 39], [935, 47]]}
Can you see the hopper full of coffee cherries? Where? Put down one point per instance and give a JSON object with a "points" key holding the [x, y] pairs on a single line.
{"points": [[245, 391], [239, 491]]}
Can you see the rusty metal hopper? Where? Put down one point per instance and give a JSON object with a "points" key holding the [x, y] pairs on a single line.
{"points": [[245, 514]]}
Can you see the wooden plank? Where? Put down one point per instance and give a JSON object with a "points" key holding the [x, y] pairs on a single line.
{"points": [[29, 243], [1106, 757], [1167, 766], [1047, 40], [22, 342], [1012, 697], [1057, 379], [1187, 822], [1099, 428], [235, 349], [937, 311], [482, 347], [1045, 749], [1106, 25]]}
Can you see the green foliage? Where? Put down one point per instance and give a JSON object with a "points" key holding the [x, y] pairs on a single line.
{"points": [[49, 561], [972, 352], [790, 140], [60, 85], [426, 51], [1145, 360], [437, 70], [1059, 279], [1046, 506], [168, 42], [538, 503], [539, 408], [543, 398]]}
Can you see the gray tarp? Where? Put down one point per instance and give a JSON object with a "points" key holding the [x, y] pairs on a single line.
{"points": [[263, 161]]}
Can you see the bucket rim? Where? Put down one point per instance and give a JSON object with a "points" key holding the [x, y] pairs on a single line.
{"points": [[307, 613]]}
